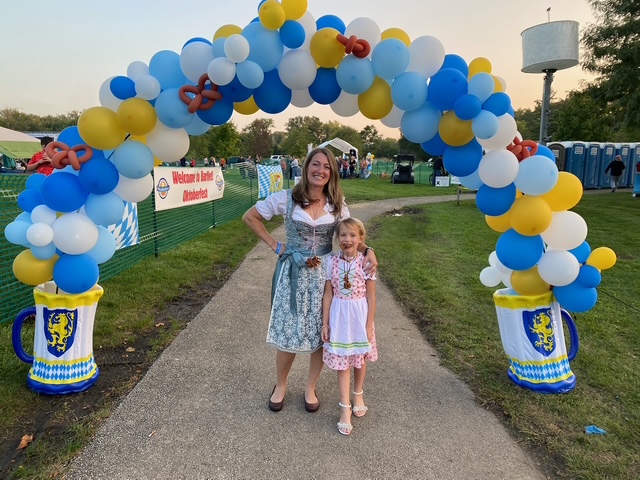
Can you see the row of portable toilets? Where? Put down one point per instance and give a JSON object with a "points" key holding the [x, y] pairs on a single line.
{"points": [[589, 160]]}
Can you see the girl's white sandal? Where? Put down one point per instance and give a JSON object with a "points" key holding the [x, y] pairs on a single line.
{"points": [[344, 428], [359, 410]]}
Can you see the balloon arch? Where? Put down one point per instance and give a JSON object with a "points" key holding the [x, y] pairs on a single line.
{"points": [[285, 56]]}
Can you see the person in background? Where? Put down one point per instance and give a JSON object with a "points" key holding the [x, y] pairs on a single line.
{"points": [[40, 162], [438, 168], [616, 167], [311, 211]]}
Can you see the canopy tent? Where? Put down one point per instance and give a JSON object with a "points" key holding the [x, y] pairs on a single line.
{"points": [[341, 145], [17, 145]]}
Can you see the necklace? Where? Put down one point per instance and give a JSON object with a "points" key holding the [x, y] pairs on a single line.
{"points": [[314, 261], [345, 280]]}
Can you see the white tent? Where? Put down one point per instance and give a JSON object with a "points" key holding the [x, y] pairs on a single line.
{"points": [[17, 145], [341, 145]]}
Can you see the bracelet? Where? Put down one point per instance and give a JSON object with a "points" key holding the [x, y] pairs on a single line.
{"points": [[366, 250], [278, 248], [324, 326]]}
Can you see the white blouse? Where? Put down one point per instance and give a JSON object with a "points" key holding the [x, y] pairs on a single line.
{"points": [[276, 204]]}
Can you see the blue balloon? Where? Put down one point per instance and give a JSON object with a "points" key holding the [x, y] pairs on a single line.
{"points": [[266, 47], [355, 75], [390, 58], [197, 126], [16, 232], [63, 192], [495, 201], [76, 273], [133, 159], [498, 103], [472, 182], [70, 136], [292, 34], [546, 152], [467, 107], [217, 47], [582, 252], [421, 124], [249, 75], [408, 91], [445, 87], [29, 199], [331, 21], [165, 66], [104, 209], [519, 252], [98, 175], [234, 91], [219, 114], [482, 85], [456, 62], [35, 180], [589, 276], [122, 87], [172, 111], [485, 124], [325, 88], [45, 252], [23, 217], [576, 298], [104, 248], [197, 39], [435, 146], [464, 160]]}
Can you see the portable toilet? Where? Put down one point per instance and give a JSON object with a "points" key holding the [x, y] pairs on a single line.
{"points": [[625, 150], [635, 163], [608, 154], [592, 163], [559, 150], [574, 162]]}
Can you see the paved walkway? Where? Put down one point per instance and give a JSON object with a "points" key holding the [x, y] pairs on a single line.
{"points": [[201, 410]]}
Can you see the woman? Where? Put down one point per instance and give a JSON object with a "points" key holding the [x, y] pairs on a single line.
{"points": [[311, 212]]}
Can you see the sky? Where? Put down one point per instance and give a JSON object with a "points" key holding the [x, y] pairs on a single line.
{"points": [[54, 56]]}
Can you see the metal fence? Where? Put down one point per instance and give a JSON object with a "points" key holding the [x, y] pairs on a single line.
{"points": [[421, 170], [159, 231]]}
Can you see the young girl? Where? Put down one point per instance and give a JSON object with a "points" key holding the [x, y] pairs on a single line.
{"points": [[348, 311]]}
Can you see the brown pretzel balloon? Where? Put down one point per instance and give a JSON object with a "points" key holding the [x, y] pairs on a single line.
{"points": [[523, 148], [359, 47], [201, 93], [61, 155]]}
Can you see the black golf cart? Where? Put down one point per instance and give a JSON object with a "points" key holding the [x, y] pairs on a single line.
{"points": [[403, 172]]}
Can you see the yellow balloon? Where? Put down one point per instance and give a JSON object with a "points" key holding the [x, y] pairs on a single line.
{"points": [[499, 224], [479, 65], [325, 48], [602, 258], [272, 15], [248, 107], [136, 116], [454, 131], [530, 215], [294, 9], [226, 31], [139, 138], [499, 84], [99, 127], [32, 271], [376, 103], [528, 282], [397, 33], [566, 193]]}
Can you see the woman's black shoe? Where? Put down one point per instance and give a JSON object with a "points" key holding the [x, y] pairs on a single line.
{"points": [[275, 406]]}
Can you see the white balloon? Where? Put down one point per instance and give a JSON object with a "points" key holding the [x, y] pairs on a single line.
{"points": [[498, 168], [308, 22], [108, 99], [74, 233], [194, 60], [507, 131], [506, 278], [426, 56], [558, 267], [301, 98], [490, 276], [147, 87], [168, 144], [221, 70], [567, 231], [136, 69], [363, 27], [346, 105], [43, 214], [297, 69], [236, 48], [495, 262], [134, 189], [393, 118], [40, 234]]}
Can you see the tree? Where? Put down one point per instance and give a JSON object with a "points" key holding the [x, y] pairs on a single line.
{"points": [[528, 121], [257, 138], [580, 117], [223, 140], [28, 122], [405, 146], [370, 137], [302, 131], [612, 51], [386, 148]]}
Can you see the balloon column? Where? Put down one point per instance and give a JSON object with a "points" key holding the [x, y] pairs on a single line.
{"points": [[285, 56]]}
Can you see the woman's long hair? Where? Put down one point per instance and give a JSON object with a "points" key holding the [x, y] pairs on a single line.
{"points": [[332, 189]]}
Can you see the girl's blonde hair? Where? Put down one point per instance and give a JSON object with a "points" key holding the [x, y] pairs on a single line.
{"points": [[332, 189], [352, 223]]}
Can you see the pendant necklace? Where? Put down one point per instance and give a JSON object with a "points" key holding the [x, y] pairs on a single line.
{"points": [[314, 261], [345, 281]]}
